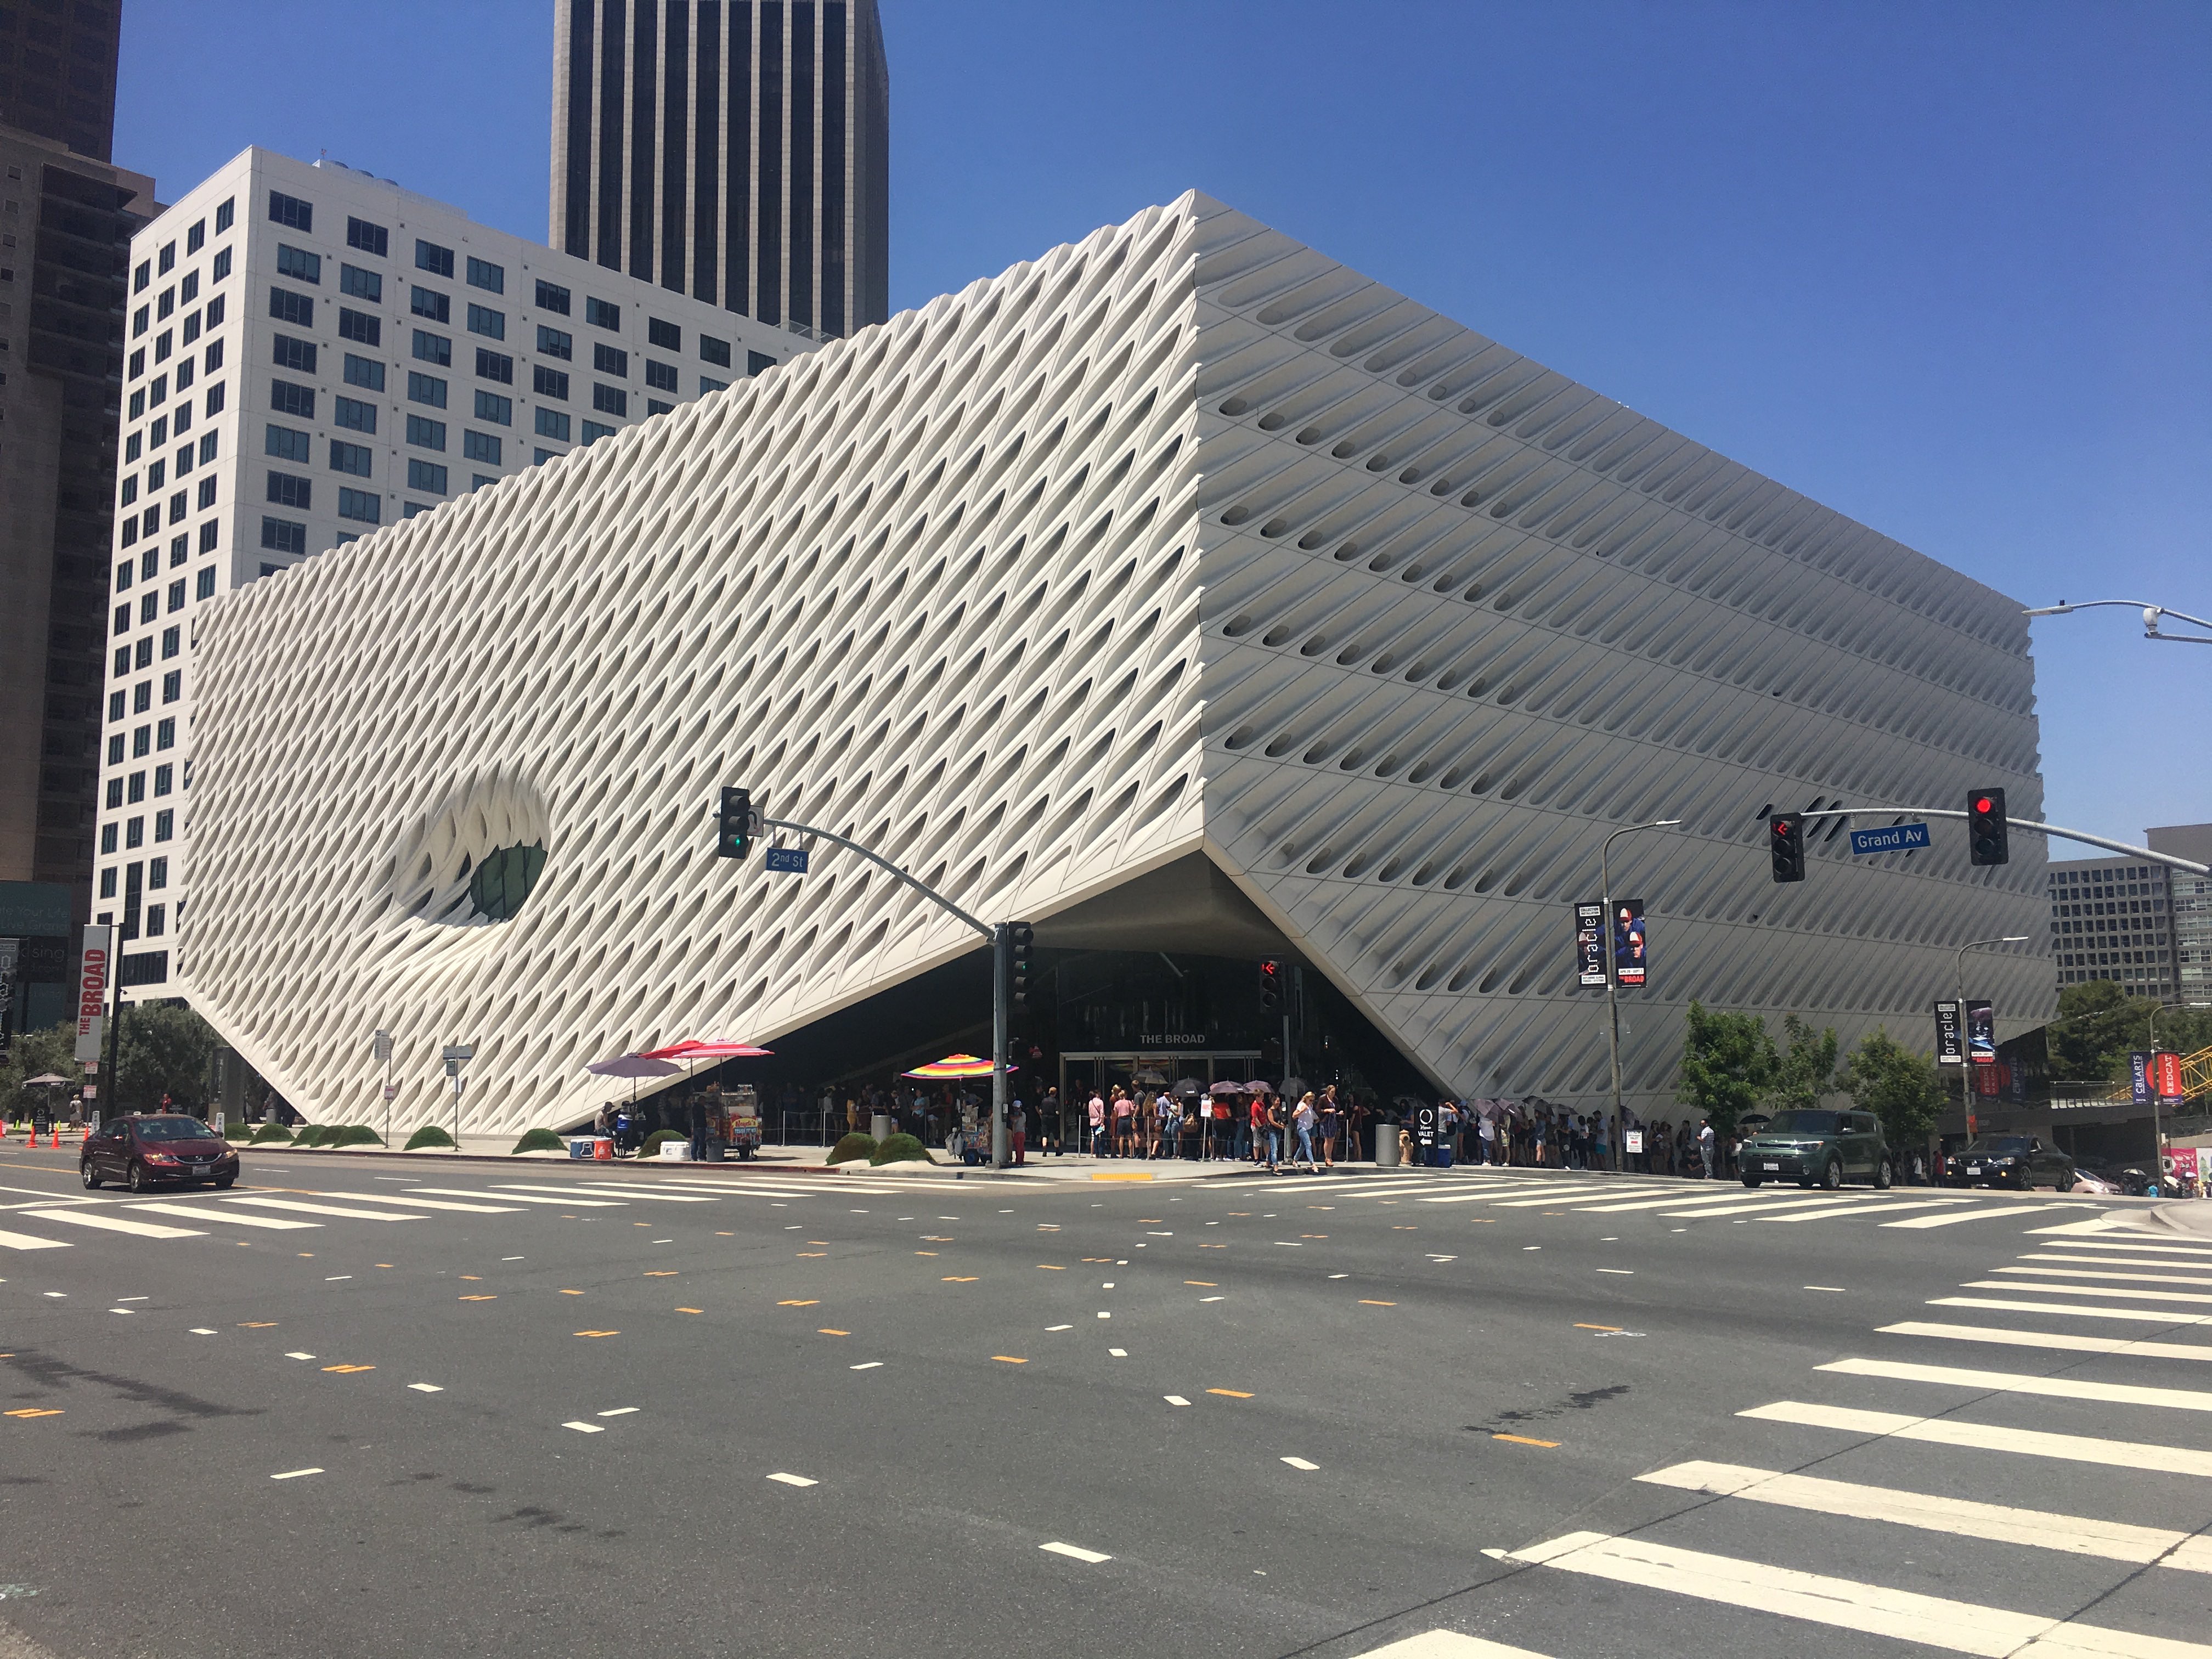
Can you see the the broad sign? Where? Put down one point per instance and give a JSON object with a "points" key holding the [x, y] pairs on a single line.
{"points": [[93, 966], [1896, 838], [1590, 944], [790, 860]]}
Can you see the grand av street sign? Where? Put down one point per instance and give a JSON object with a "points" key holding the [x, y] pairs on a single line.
{"points": [[1896, 838]]}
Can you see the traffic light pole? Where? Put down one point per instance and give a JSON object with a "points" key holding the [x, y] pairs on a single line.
{"points": [[1613, 963], [2083, 836]]}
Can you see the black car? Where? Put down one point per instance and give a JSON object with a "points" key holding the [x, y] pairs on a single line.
{"points": [[147, 1149], [2021, 1161], [1814, 1146]]}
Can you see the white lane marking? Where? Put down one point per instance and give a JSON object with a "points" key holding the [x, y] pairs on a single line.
{"points": [[512, 1258], [1175, 1399], [202, 1330], [293, 1474], [2007, 1211], [2001, 1523], [2051, 1388], [113, 1224], [585, 1428], [1449, 1644], [520, 1198], [57, 1293], [617, 1411], [298, 1356], [2113, 1242], [2141, 1315], [660, 1241], [199, 1213], [414, 1201], [867, 1365], [31, 1241], [333, 1278], [1838, 1289], [1581, 1206], [1105, 1316], [1859, 1209], [1985, 1436], [1118, 1353], [615, 1187], [1340, 1275], [1076, 1553], [794, 1479], [1627, 1271], [2117, 1292], [427, 1387], [1748, 1205], [1301, 1463], [2075, 1259], [1213, 1298], [1059, 1327], [122, 1310], [2061, 1340], [1934, 1620], [296, 1206], [134, 1299], [2113, 1278]]}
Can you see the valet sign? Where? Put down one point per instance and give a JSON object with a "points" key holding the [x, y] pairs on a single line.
{"points": [[94, 967]]}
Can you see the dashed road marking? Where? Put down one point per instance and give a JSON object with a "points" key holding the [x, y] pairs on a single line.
{"points": [[1301, 1463], [293, 1474], [793, 1479], [1076, 1553]]}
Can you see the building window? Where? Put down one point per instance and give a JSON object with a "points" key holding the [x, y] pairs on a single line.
{"points": [[165, 780], [296, 263], [176, 594], [490, 406], [480, 446], [661, 376], [165, 824], [115, 698], [115, 749], [211, 359], [757, 362], [157, 874], [171, 641], [134, 832], [157, 475], [426, 433], [141, 695], [137, 397], [143, 276], [141, 320], [203, 584], [353, 458], [555, 343], [713, 350], [286, 210], [438, 261], [486, 275], [288, 445], [192, 328], [360, 327], [495, 366], [666, 336], [433, 349], [362, 284], [483, 321], [129, 491], [414, 509], [553, 423], [281, 536], [107, 876], [477, 480], [548, 382], [707, 386], [138, 787], [354, 415], [142, 745], [287, 398], [364, 372], [611, 360], [654, 406], [219, 269], [609, 399], [362, 505], [150, 606], [368, 238], [285, 306], [299, 355], [600, 314], [157, 915], [207, 454], [593, 432], [425, 389], [426, 475], [429, 303], [542, 456]]}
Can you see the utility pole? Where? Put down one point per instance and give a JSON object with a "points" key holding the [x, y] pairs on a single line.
{"points": [[1965, 1032], [1612, 960]]}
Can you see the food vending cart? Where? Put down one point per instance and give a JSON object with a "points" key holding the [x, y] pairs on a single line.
{"points": [[738, 1129]]}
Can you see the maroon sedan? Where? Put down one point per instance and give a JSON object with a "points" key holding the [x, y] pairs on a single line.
{"points": [[145, 1150]]}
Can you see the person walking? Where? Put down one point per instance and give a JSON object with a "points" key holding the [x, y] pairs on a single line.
{"points": [[1017, 1124], [1305, 1120], [1708, 1148], [1275, 1128], [1332, 1126]]}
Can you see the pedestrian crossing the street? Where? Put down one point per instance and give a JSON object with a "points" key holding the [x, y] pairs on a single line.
{"points": [[2103, 1418]]}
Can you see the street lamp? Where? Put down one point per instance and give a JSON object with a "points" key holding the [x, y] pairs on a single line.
{"points": [[1613, 963], [1966, 1058], [2151, 613]]}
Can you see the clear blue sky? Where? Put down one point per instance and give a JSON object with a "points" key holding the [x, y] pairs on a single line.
{"points": [[1944, 267]]}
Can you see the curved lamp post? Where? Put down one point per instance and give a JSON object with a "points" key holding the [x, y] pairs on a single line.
{"points": [[1612, 965], [2151, 613]]}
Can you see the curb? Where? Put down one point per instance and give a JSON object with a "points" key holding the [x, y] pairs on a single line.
{"points": [[510, 1161]]}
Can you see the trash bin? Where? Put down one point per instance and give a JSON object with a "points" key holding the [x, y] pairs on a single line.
{"points": [[880, 1125], [1386, 1145]]}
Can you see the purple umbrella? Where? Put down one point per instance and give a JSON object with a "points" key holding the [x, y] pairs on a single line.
{"points": [[633, 1067]]}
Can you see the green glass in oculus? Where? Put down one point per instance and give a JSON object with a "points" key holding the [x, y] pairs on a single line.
{"points": [[505, 879]]}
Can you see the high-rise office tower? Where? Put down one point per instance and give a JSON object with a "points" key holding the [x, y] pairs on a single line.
{"points": [[58, 72], [734, 150]]}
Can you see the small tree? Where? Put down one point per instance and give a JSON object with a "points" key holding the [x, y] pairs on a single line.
{"points": [[1727, 1061], [164, 1050], [1899, 1085], [35, 1054], [1807, 1069]]}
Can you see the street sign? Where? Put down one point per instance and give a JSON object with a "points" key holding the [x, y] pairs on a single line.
{"points": [[391, 1091], [1981, 1033], [790, 860], [1896, 838], [381, 1045], [457, 1051], [1949, 1049], [1628, 941], [1590, 944]]}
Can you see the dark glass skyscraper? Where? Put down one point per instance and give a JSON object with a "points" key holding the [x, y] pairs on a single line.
{"points": [[734, 150]]}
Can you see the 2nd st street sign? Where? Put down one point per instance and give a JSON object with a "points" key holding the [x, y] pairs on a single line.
{"points": [[1896, 838]]}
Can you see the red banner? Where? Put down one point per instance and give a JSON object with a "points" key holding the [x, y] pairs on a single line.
{"points": [[2166, 1075]]}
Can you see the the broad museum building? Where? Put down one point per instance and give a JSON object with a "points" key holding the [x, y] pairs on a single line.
{"points": [[1183, 593]]}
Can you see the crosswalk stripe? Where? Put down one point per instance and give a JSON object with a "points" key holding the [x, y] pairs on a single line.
{"points": [[2120, 1260], [519, 1198], [2068, 1340], [301, 1208], [635, 1190], [1933, 1620], [2115, 1291], [2075, 1535], [2141, 1315], [31, 1242], [1987, 1436], [1765, 1205], [2051, 1388], [501, 1189], [1574, 1199], [1887, 1207], [1447, 1645], [1717, 1200], [2106, 1241], [416, 1201], [1516, 1196], [207, 1213], [115, 1224], [2109, 1277], [1952, 1220]]}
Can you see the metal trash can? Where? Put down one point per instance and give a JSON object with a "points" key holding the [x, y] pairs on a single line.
{"points": [[880, 1125], [1386, 1145]]}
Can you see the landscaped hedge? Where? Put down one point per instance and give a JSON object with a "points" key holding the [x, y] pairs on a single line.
{"points": [[540, 1140], [354, 1134], [429, 1135], [269, 1131], [901, 1149], [312, 1135], [852, 1147]]}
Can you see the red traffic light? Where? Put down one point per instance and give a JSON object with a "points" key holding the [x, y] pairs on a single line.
{"points": [[1984, 804]]}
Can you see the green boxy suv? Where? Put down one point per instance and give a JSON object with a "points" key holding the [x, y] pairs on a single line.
{"points": [[1816, 1148]]}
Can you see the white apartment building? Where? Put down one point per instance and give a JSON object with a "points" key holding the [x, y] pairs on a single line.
{"points": [[314, 352]]}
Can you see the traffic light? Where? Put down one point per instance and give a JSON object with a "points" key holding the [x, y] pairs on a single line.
{"points": [[1023, 938], [1786, 843], [1271, 984], [733, 831], [1985, 827]]}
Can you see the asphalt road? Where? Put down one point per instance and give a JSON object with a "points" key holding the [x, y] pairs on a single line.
{"points": [[687, 1411]]}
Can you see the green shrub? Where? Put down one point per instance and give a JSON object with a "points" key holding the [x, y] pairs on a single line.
{"points": [[541, 1140], [660, 1137], [429, 1135], [354, 1134], [269, 1131], [312, 1135], [901, 1149], [852, 1147]]}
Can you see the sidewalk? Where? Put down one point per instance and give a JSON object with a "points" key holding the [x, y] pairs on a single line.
{"points": [[2192, 1217]]}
